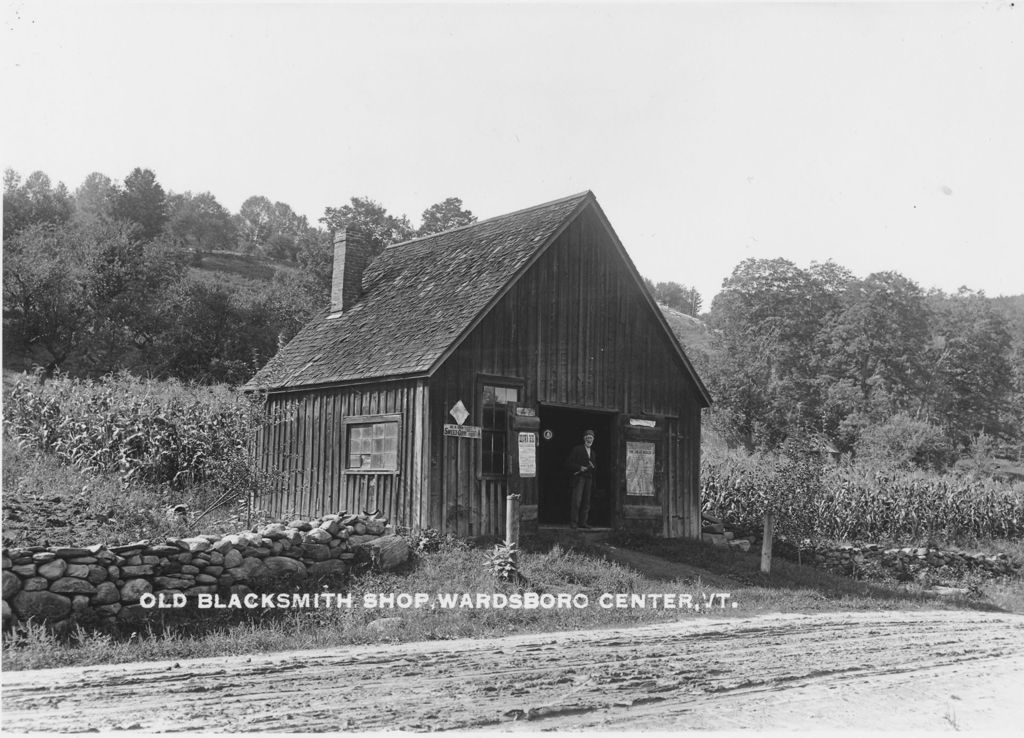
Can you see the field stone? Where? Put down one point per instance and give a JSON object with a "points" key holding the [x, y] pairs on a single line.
{"points": [[35, 584], [54, 569], [196, 545], [79, 603], [332, 526], [71, 553], [43, 605], [318, 535], [72, 585], [189, 569], [232, 559], [7, 563], [44, 557], [164, 550], [133, 589], [274, 531], [106, 594], [12, 584], [212, 570], [8, 614], [300, 525], [216, 558], [163, 583], [316, 551], [81, 571], [205, 579], [282, 566], [137, 571]]}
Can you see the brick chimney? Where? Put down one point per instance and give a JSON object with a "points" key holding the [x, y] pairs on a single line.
{"points": [[351, 257]]}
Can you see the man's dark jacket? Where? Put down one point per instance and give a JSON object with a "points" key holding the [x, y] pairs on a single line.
{"points": [[578, 457]]}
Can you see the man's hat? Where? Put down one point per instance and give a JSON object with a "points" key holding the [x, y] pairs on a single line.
{"points": [[589, 433]]}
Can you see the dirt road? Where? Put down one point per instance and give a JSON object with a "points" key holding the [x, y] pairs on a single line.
{"points": [[923, 671]]}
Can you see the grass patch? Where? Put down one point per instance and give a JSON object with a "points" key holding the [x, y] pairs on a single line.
{"points": [[549, 568]]}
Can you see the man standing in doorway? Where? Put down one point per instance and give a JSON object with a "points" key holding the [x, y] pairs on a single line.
{"points": [[581, 464]]}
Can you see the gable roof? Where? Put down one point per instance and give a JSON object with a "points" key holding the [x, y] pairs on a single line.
{"points": [[418, 298], [421, 297]]}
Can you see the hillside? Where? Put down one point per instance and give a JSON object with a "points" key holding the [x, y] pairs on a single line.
{"points": [[234, 266], [693, 333]]}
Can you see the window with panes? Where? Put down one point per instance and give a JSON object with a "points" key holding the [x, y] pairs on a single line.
{"points": [[494, 431], [373, 446]]}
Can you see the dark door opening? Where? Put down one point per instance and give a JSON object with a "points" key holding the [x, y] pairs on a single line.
{"points": [[561, 428]]}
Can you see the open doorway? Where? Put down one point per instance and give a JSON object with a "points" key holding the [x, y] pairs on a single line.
{"points": [[562, 428]]}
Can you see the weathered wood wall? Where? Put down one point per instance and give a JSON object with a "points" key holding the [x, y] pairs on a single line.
{"points": [[303, 445], [577, 331]]}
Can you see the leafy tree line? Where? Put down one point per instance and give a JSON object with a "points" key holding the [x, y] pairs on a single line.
{"points": [[876, 366], [101, 279], [677, 296]]}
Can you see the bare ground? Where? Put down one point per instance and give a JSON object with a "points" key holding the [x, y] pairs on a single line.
{"points": [[864, 670]]}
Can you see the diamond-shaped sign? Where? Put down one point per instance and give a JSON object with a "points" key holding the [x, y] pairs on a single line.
{"points": [[459, 412]]}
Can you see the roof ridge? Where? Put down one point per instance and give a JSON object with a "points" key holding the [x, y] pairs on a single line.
{"points": [[474, 224]]}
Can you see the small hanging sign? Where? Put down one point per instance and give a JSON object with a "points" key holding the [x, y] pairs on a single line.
{"points": [[642, 422], [459, 412], [527, 412], [463, 431]]}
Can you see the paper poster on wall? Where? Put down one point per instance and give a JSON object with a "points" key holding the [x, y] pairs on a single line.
{"points": [[640, 468], [527, 454]]}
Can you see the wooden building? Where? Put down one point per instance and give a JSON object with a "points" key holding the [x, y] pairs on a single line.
{"points": [[456, 368]]}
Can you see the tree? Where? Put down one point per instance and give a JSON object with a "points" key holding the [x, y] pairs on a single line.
{"points": [[200, 223], [142, 201], [972, 376], [33, 201], [271, 229], [676, 296], [878, 341], [444, 216], [94, 198], [370, 218], [85, 293]]}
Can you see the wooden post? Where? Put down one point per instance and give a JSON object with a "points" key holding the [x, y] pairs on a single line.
{"points": [[512, 520], [766, 543]]}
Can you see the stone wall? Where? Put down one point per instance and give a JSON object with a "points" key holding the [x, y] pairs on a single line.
{"points": [[97, 584], [902, 563]]}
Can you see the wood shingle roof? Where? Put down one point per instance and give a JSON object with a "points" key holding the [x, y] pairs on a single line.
{"points": [[419, 298]]}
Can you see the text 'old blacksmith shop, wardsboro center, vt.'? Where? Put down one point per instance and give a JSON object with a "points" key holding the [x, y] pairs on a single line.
{"points": [[454, 369]]}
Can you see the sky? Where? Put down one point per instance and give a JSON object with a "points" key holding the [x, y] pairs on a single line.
{"points": [[881, 136]]}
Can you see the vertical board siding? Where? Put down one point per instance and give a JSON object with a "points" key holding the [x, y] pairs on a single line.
{"points": [[303, 446], [577, 331]]}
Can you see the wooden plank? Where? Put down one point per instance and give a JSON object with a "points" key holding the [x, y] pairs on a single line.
{"points": [[766, 543], [643, 512]]}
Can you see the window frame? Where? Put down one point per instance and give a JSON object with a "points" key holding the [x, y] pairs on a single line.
{"points": [[351, 420], [492, 380]]}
